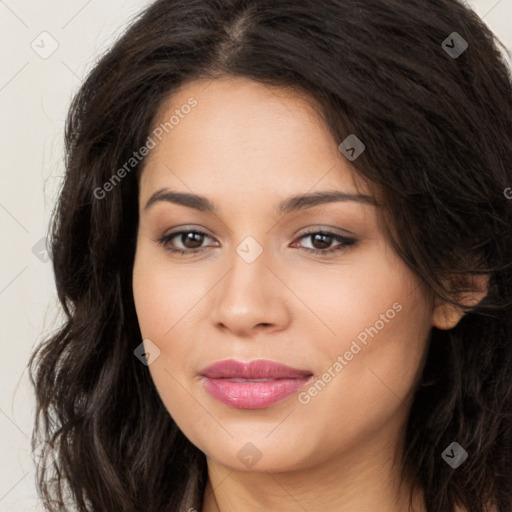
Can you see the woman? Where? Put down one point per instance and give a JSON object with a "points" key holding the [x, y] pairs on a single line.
{"points": [[283, 247]]}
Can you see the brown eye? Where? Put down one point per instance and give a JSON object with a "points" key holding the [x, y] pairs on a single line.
{"points": [[322, 241], [189, 241]]}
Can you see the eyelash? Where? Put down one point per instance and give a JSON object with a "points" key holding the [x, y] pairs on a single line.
{"points": [[344, 242]]}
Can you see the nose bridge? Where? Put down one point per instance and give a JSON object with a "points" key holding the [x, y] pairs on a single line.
{"points": [[249, 268], [247, 297]]}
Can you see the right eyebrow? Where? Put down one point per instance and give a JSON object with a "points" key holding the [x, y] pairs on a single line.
{"points": [[183, 198]]}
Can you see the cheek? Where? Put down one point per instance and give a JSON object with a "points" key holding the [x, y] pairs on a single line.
{"points": [[368, 370], [379, 315], [163, 298], [371, 296], [164, 294]]}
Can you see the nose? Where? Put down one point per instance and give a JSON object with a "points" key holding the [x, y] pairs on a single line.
{"points": [[251, 297]]}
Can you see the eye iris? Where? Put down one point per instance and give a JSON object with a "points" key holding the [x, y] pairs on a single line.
{"points": [[192, 237], [324, 239]]}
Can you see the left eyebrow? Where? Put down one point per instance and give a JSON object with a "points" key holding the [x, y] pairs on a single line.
{"points": [[294, 203], [304, 201]]}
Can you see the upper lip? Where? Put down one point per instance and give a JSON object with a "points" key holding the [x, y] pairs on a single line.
{"points": [[257, 369]]}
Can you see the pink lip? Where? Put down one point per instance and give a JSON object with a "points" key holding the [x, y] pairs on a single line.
{"points": [[281, 382]]}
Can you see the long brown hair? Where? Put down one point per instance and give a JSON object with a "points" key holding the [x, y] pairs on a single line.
{"points": [[438, 134]]}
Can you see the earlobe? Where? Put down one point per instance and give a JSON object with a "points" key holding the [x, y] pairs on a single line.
{"points": [[446, 315]]}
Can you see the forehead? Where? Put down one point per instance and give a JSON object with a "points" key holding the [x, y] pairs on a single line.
{"points": [[241, 135]]}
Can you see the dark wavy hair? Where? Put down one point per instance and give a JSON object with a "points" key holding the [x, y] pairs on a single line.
{"points": [[438, 136]]}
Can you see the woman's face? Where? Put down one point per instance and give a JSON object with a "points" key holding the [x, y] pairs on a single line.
{"points": [[355, 320]]}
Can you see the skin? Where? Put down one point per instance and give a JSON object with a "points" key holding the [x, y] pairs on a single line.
{"points": [[246, 147]]}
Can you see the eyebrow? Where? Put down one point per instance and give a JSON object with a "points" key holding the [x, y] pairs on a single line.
{"points": [[294, 203]]}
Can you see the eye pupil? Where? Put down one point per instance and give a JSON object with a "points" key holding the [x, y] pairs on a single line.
{"points": [[196, 238], [322, 238]]}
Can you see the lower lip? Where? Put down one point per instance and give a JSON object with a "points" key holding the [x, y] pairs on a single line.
{"points": [[253, 395]]}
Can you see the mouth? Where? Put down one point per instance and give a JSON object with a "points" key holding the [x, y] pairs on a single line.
{"points": [[253, 385]]}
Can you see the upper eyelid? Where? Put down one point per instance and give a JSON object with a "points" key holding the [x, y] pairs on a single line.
{"points": [[181, 230]]}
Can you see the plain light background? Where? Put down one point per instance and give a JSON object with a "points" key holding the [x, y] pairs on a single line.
{"points": [[47, 49]]}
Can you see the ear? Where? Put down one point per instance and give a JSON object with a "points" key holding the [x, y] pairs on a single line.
{"points": [[446, 315]]}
